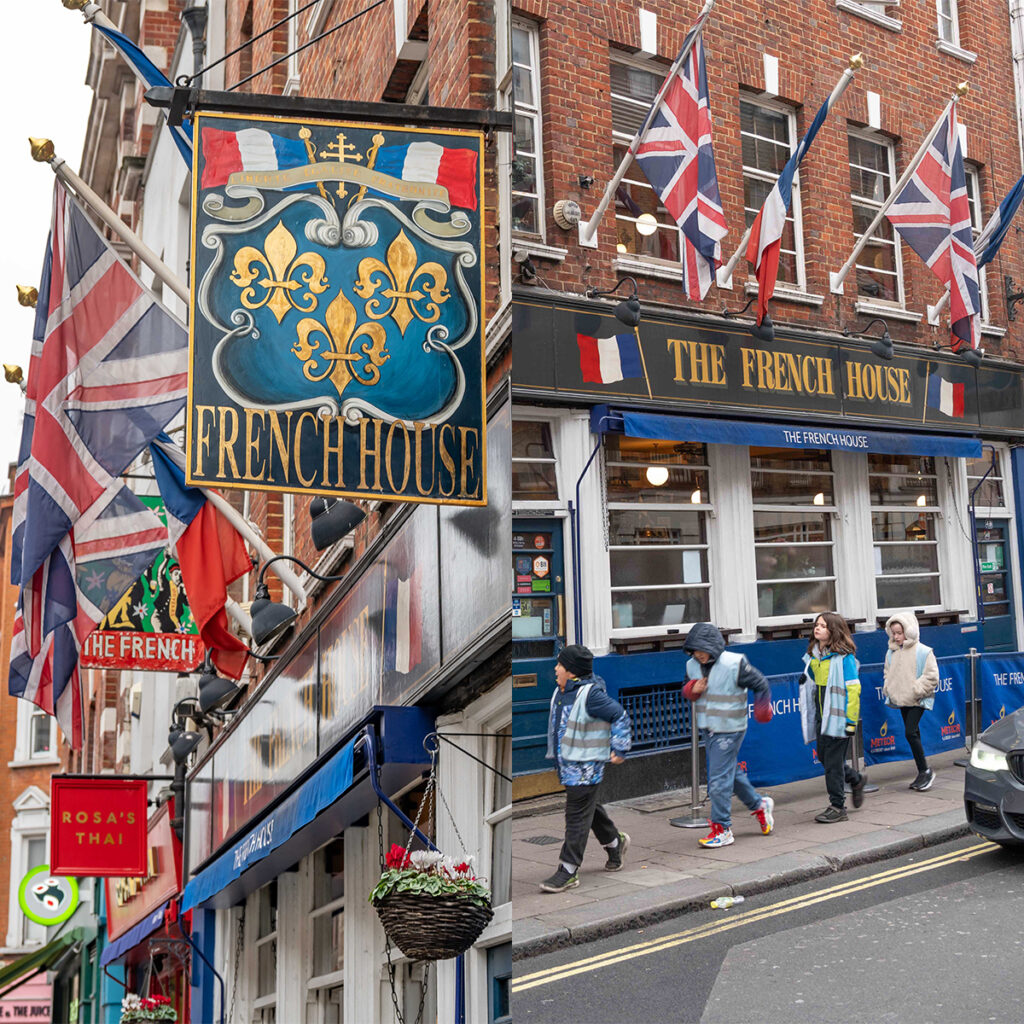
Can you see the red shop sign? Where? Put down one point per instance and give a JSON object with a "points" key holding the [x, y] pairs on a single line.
{"points": [[97, 826]]}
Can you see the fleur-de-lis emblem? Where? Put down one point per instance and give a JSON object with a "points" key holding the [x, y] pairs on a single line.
{"points": [[405, 286], [330, 350], [288, 281]]}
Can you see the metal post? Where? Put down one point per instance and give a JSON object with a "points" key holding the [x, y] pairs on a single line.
{"points": [[696, 819], [973, 717]]}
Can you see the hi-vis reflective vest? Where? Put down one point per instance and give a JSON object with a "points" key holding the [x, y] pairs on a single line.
{"points": [[723, 705], [586, 738]]}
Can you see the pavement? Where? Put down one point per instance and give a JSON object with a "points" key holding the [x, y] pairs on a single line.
{"points": [[667, 874]]}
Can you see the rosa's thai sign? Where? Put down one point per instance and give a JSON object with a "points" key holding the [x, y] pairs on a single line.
{"points": [[336, 328], [97, 826]]}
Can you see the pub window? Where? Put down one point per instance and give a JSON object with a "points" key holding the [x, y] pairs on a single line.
{"points": [[905, 508], [949, 24], [872, 174], [658, 504], [265, 953], [327, 924], [636, 203], [528, 163], [41, 734], [534, 476], [793, 493], [990, 493], [767, 134], [974, 204], [499, 818]]}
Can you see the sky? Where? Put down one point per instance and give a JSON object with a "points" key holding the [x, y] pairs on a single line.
{"points": [[44, 53]]}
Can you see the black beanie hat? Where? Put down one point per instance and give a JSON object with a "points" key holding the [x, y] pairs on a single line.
{"points": [[579, 660]]}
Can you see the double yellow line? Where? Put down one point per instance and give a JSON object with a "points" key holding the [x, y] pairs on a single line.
{"points": [[596, 963]]}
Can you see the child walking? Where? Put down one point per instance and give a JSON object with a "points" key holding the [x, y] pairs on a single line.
{"points": [[911, 675], [718, 683], [832, 682]]}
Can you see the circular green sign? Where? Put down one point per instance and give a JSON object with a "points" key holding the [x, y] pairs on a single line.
{"points": [[47, 899]]}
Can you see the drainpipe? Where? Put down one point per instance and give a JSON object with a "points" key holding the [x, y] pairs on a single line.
{"points": [[1017, 49]]}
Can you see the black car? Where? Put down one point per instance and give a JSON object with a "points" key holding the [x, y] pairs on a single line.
{"points": [[994, 782]]}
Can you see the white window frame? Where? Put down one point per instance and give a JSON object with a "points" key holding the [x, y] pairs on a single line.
{"points": [[293, 81], [1000, 474], [705, 508], [333, 979], [23, 754], [872, 10], [865, 301], [672, 268], [31, 821], [795, 209], [531, 111], [938, 514], [974, 204], [952, 20], [532, 416], [829, 511], [253, 945]]}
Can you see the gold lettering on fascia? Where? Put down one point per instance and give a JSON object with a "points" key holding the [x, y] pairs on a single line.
{"points": [[875, 382], [290, 449]]}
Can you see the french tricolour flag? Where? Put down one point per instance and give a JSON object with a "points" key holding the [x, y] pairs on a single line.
{"points": [[607, 360], [946, 396], [770, 224], [402, 625], [453, 169], [251, 149]]}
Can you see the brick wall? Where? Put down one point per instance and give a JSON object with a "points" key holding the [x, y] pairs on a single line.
{"points": [[813, 46]]}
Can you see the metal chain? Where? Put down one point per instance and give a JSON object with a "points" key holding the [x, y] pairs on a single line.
{"points": [[239, 945]]}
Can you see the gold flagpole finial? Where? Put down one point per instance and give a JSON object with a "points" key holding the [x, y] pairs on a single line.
{"points": [[963, 89], [75, 5], [42, 150], [27, 295], [13, 374], [857, 61]]}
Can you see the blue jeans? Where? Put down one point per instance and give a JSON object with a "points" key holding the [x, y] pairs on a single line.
{"points": [[725, 776]]}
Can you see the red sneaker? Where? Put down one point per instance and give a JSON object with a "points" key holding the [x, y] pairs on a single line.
{"points": [[718, 836]]}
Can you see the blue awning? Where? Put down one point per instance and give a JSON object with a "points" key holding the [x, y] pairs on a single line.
{"points": [[323, 789], [131, 938], [668, 427]]}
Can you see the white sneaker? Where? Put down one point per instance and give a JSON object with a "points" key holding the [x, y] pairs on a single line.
{"points": [[765, 816], [718, 836]]}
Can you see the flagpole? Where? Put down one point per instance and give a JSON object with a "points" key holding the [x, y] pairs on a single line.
{"points": [[588, 231], [836, 279], [42, 152], [724, 278], [92, 13]]}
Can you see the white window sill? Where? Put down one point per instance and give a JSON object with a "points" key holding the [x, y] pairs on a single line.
{"points": [[35, 762], [869, 14], [886, 312], [539, 249], [788, 294], [992, 331], [952, 50], [649, 268]]}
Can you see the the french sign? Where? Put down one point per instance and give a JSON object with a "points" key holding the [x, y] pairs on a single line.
{"points": [[336, 326], [97, 826]]}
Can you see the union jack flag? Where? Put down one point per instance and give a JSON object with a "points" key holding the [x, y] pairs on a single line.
{"points": [[932, 215], [107, 373], [676, 156]]}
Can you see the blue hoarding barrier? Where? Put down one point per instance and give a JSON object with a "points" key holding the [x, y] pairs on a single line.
{"points": [[1000, 686]]}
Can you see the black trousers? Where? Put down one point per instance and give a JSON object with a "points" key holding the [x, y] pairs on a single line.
{"points": [[832, 753], [582, 814], [912, 727]]}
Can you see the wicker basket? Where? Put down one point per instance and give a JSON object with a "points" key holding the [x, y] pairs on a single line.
{"points": [[426, 927]]}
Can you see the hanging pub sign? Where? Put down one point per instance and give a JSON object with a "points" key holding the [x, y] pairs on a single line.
{"points": [[336, 324], [97, 826], [151, 627]]}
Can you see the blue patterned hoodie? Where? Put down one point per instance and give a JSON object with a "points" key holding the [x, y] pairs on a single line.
{"points": [[599, 705]]}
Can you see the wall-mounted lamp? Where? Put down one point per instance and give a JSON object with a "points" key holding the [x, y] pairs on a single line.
{"points": [[527, 271], [627, 311], [181, 739], [763, 331], [881, 346], [217, 695], [585, 180], [271, 618], [969, 355], [332, 519], [1012, 297]]}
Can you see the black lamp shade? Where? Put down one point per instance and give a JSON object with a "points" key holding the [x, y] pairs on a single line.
{"points": [[765, 330], [882, 347], [182, 742], [216, 692], [971, 356], [332, 520], [628, 311], [269, 618]]}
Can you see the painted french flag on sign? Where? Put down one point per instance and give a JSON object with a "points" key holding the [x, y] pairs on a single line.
{"points": [[607, 360], [946, 396], [251, 149], [453, 169], [402, 624]]}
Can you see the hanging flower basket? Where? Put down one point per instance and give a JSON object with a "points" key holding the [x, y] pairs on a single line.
{"points": [[135, 1009], [432, 907]]}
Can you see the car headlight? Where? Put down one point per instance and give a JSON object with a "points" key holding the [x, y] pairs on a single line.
{"points": [[992, 760]]}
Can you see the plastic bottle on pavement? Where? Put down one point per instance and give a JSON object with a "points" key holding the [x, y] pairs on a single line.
{"points": [[725, 902]]}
